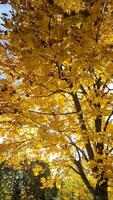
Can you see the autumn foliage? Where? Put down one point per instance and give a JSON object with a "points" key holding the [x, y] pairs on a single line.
{"points": [[57, 88]]}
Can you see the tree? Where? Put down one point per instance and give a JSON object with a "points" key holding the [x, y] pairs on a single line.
{"points": [[72, 187], [56, 97], [22, 184]]}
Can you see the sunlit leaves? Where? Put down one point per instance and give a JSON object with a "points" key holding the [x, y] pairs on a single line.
{"points": [[56, 96]]}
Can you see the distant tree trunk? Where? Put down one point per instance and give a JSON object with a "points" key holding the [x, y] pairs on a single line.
{"points": [[16, 191]]}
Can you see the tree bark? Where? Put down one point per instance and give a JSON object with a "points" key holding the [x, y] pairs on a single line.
{"points": [[101, 191], [101, 196]]}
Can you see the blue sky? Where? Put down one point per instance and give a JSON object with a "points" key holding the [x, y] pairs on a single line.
{"points": [[4, 8]]}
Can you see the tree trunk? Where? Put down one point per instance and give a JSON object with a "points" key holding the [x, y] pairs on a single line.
{"points": [[101, 196], [101, 192]]}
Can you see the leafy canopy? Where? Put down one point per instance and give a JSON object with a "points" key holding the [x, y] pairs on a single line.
{"points": [[56, 86]]}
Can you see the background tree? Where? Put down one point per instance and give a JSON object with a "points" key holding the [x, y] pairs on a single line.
{"points": [[23, 185], [57, 96], [72, 187]]}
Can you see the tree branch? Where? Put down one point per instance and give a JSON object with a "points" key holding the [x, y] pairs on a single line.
{"points": [[82, 124], [107, 121], [52, 113]]}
